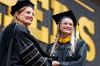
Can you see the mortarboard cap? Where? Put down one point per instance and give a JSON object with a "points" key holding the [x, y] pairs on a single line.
{"points": [[19, 5], [69, 14]]}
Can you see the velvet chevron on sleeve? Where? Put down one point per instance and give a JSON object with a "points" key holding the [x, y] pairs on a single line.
{"points": [[24, 50]]}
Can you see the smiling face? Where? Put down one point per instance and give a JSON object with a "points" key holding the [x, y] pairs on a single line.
{"points": [[26, 16], [66, 26]]}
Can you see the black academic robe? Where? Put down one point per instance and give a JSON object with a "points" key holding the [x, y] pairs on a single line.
{"points": [[62, 55], [19, 48]]}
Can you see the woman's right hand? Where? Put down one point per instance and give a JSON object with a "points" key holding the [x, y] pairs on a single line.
{"points": [[55, 63]]}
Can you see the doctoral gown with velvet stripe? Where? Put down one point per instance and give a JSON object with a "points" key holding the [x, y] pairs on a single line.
{"points": [[24, 48]]}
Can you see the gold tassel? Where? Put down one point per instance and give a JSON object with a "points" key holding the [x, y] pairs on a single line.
{"points": [[77, 31]]}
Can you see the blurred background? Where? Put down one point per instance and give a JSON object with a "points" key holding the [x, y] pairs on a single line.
{"points": [[44, 28]]}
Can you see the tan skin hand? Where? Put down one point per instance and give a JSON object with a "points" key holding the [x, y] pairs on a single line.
{"points": [[55, 63]]}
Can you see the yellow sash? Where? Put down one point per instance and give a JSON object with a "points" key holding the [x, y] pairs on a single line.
{"points": [[64, 40]]}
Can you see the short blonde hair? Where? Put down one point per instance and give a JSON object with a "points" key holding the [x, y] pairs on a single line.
{"points": [[18, 12]]}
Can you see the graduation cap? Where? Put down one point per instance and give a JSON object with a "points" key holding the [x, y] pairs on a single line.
{"points": [[19, 5], [69, 14]]}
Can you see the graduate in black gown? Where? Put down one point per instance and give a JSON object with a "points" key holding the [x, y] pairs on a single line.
{"points": [[17, 46], [67, 49]]}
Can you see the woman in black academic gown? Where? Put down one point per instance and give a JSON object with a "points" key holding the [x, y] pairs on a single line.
{"points": [[67, 50], [17, 46]]}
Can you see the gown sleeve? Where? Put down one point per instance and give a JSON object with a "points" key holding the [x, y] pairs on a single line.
{"points": [[80, 56], [27, 51], [48, 50]]}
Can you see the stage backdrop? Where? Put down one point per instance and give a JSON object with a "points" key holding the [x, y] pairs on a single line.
{"points": [[44, 28]]}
